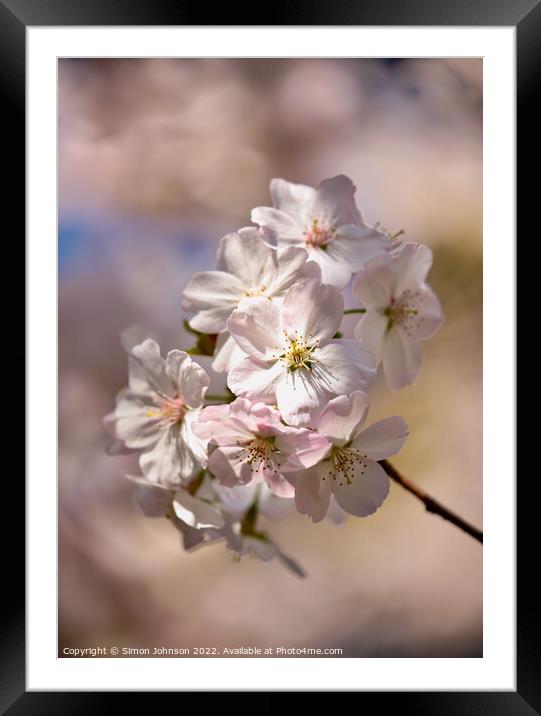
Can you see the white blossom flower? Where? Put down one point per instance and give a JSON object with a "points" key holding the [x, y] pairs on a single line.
{"points": [[325, 222], [253, 444], [156, 412], [247, 267], [349, 470], [292, 359], [242, 505], [218, 513], [260, 545], [236, 500], [199, 522], [401, 311]]}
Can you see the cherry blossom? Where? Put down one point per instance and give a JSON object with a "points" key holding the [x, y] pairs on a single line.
{"points": [[247, 267], [324, 221], [401, 311], [294, 435], [242, 505], [197, 521], [292, 358], [156, 412], [349, 469], [218, 513], [253, 444], [260, 545]]}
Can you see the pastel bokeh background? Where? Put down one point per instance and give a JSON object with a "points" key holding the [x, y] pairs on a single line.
{"points": [[157, 160]]}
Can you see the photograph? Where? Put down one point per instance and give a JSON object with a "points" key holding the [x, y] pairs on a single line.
{"points": [[270, 357]]}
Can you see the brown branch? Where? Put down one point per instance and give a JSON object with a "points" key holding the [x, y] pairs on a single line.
{"points": [[429, 502]]}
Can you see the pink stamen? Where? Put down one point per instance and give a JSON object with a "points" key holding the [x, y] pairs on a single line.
{"points": [[317, 237], [171, 410]]}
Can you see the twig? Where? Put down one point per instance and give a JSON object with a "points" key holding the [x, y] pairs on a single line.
{"points": [[429, 502]]}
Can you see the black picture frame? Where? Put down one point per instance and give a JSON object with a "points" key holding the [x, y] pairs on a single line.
{"points": [[525, 16]]}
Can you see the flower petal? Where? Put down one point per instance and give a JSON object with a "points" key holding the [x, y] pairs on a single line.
{"points": [[216, 424], [245, 255], [336, 514], [300, 396], [196, 444], [402, 358], [255, 326], [255, 379], [335, 202], [192, 538], [302, 448], [413, 262], [291, 265], [228, 467], [312, 311], [237, 499], [284, 226], [266, 420], [191, 379], [343, 366], [213, 295], [296, 200], [355, 245], [154, 501], [372, 330], [343, 416], [366, 492], [334, 272], [382, 439], [168, 461], [429, 315], [196, 513], [148, 367], [227, 353], [278, 484], [273, 507], [312, 494], [135, 421], [375, 283]]}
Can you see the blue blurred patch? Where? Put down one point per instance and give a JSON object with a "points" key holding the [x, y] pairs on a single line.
{"points": [[73, 238], [85, 241]]}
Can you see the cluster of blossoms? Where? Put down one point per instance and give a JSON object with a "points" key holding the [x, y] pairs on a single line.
{"points": [[291, 432]]}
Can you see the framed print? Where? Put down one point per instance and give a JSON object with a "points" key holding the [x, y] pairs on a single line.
{"points": [[271, 354]]}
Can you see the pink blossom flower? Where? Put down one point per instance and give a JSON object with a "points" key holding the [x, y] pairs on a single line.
{"points": [[155, 413], [401, 311], [292, 358], [349, 469], [253, 444], [325, 222]]}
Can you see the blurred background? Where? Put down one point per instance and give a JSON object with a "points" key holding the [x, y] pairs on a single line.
{"points": [[157, 160]]}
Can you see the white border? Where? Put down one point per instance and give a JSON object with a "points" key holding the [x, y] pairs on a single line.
{"points": [[496, 670]]}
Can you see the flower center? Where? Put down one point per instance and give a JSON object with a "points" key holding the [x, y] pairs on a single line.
{"points": [[259, 453], [256, 291], [403, 310], [297, 353], [341, 464], [317, 236], [169, 410]]}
